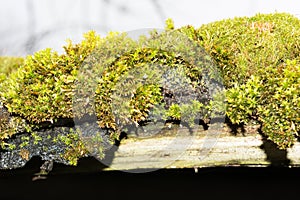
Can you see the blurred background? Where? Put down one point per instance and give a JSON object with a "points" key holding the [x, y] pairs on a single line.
{"points": [[31, 25]]}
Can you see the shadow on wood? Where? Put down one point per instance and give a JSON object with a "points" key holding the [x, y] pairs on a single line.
{"points": [[277, 157]]}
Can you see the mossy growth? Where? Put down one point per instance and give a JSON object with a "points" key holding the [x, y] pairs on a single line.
{"points": [[254, 55], [41, 89], [121, 81], [8, 65], [75, 147], [10, 125], [273, 99], [169, 24], [243, 45], [126, 79], [145, 93], [131, 84]]}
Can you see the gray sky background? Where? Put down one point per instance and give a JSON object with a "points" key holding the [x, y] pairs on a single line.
{"points": [[31, 25]]}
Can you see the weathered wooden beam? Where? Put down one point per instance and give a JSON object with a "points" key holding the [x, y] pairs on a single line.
{"points": [[213, 147]]}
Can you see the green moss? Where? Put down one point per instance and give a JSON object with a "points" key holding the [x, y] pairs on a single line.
{"points": [[144, 93], [25, 141], [124, 77], [254, 56], [75, 148], [36, 138], [272, 98], [169, 24], [9, 125], [243, 45], [188, 112], [41, 89], [9, 65]]}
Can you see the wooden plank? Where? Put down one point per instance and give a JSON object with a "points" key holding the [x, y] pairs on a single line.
{"points": [[214, 147]]}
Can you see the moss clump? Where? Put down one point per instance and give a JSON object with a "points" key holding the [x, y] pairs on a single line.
{"points": [[41, 89], [124, 81], [273, 99], [243, 45], [8, 65], [116, 78], [75, 148], [130, 85], [254, 55], [145, 93], [9, 125]]}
